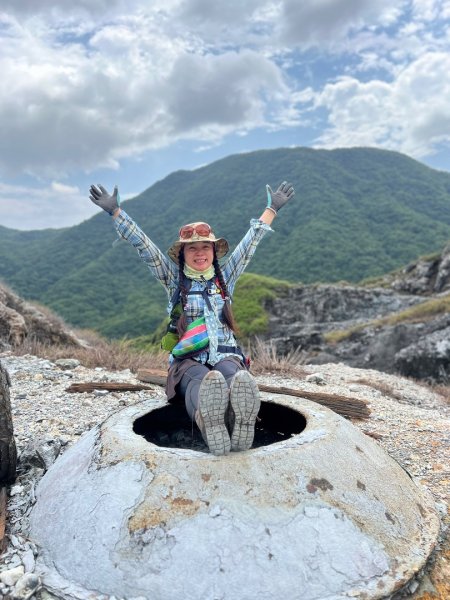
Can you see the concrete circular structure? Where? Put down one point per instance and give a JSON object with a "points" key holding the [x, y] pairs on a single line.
{"points": [[325, 514]]}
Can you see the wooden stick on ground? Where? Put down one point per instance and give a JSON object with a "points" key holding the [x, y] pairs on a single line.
{"points": [[352, 408], [111, 386], [346, 406]]}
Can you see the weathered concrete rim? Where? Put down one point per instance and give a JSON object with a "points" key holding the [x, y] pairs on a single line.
{"points": [[312, 431]]}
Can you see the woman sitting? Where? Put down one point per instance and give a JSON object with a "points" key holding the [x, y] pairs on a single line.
{"points": [[207, 367]]}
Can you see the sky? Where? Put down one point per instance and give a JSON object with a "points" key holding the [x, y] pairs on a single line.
{"points": [[126, 91]]}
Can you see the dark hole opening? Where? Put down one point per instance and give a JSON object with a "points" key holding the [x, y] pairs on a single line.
{"points": [[171, 427]]}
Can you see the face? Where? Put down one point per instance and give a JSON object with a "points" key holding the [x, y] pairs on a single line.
{"points": [[199, 255]]}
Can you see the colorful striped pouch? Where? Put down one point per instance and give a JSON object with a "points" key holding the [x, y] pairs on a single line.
{"points": [[194, 340]]}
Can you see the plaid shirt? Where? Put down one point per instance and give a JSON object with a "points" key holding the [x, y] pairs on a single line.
{"points": [[166, 271]]}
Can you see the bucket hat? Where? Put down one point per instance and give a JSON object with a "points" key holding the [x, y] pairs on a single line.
{"points": [[220, 244]]}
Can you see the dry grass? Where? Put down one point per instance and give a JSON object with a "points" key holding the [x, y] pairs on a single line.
{"points": [[384, 388], [443, 390], [338, 335], [265, 359], [387, 390], [120, 355], [111, 355], [419, 312], [422, 312]]}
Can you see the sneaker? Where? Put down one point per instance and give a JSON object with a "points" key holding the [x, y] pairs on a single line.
{"points": [[245, 404], [210, 416]]}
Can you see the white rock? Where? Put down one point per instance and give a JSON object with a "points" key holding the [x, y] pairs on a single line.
{"points": [[15, 541], [441, 507], [28, 560], [67, 363], [16, 489], [26, 586], [14, 561], [316, 378], [12, 576], [101, 392]]}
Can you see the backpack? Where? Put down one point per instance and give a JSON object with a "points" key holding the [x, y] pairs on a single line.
{"points": [[171, 337]]}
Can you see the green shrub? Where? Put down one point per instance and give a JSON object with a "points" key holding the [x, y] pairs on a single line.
{"points": [[248, 303]]}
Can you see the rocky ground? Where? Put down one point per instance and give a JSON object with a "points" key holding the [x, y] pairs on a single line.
{"points": [[410, 421]]}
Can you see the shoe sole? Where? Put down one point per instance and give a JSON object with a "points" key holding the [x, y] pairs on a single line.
{"points": [[213, 403], [245, 402]]}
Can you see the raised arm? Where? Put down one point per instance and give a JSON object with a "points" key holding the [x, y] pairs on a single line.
{"points": [[244, 251], [158, 263]]}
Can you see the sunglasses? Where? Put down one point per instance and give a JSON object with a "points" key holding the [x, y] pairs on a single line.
{"points": [[202, 229]]}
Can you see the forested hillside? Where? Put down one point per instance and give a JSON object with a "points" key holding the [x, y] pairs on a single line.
{"points": [[357, 213]]}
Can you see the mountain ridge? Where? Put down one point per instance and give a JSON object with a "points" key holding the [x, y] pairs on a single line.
{"points": [[357, 213]]}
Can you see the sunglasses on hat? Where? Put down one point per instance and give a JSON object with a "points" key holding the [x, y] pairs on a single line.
{"points": [[202, 229]]}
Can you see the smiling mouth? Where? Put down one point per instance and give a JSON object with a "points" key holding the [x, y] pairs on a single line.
{"points": [[201, 264]]}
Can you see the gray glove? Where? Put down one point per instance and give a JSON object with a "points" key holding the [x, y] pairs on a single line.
{"points": [[101, 197], [275, 200]]}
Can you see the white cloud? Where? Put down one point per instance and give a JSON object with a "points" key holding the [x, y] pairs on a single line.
{"points": [[89, 83], [328, 22], [65, 8], [75, 106], [219, 93], [61, 188], [428, 10], [410, 114], [204, 13], [57, 205]]}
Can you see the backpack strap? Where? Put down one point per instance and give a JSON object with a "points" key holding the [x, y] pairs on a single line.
{"points": [[170, 338], [208, 291]]}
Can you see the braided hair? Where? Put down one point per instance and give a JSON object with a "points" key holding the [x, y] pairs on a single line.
{"points": [[227, 313], [182, 321]]}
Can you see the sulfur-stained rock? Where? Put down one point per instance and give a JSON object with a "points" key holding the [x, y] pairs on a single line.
{"points": [[324, 514]]}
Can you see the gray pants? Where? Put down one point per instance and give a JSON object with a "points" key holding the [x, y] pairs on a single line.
{"points": [[191, 380]]}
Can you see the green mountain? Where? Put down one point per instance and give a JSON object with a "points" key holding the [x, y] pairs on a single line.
{"points": [[357, 213]]}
